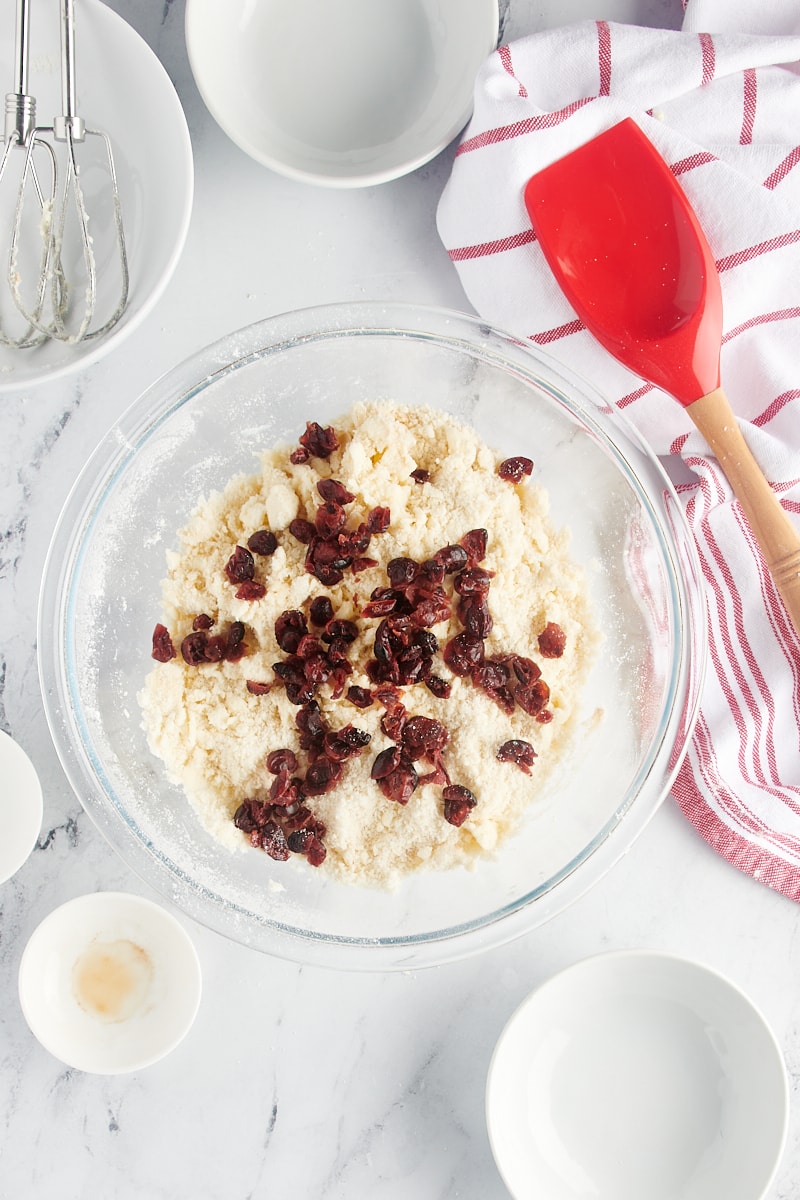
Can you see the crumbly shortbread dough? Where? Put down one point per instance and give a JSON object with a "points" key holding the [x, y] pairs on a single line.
{"points": [[213, 735]]}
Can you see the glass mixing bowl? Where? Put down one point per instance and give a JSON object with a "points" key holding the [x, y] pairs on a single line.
{"points": [[205, 421]]}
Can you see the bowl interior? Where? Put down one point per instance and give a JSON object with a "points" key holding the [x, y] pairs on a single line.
{"points": [[379, 92], [207, 421]]}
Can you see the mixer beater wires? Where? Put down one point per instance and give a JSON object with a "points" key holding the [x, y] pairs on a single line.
{"points": [[81, 288], [34, 198]]}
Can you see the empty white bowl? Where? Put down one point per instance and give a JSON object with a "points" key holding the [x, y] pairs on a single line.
{"points": [[109, 983], [633, 1075], [21, 807], [345, 94]]}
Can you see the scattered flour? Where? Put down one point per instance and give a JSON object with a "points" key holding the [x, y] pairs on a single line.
{"points": [[213, 734]]}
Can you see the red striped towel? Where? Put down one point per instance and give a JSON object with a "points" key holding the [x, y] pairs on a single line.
{"points": [[723, 108]]}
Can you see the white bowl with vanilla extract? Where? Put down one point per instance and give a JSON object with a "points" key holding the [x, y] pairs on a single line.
{"points": [[109, 982]]}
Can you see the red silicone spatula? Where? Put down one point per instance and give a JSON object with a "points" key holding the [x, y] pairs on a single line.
{"points": [[628, 252]]}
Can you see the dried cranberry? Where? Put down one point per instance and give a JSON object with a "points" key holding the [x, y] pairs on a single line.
{"points": [[475, 543], [473, 581], [332, 489], [400, 784], [302, 530], [401, 571], [386, 762], [281, 760], [316, 668], [474, 615], [240, 566], [379, 608], [299, 455], [320, 610], [393, 720], [308, 645], [337, 653], [513, 469], [290, 627], [258, 689], [272, 839], [431, 571], [432, 609], [452, 558], [329, 519], [552, 641], [351, 542], [311, 725], [360, 696], [202, 621], [378, 519], [299, 839], [319, 442], [249, 816], [458, 803], [438, 686], [193, 648], [285, 791], [534, 698], [251, 589], [322, 776], [525, 669], [545, 716], [215, 648], [420, 475], [163, 649], [517, 751], [346, 743], [340, 630], [262, 542], [464, 653], [316, 852], [235, 647], [492, 674], [423, 736], [362, 564]]}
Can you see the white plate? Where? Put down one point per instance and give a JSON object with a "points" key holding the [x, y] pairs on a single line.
{"points": [[20, 807], [341, 94], [122, 89], [637, 1076], [109, 983]]}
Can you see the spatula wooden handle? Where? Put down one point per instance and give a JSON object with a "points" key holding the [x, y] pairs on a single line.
{"points": [[771, 525]]}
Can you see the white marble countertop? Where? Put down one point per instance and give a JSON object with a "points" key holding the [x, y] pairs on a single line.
{"points": [[297, 1081]]}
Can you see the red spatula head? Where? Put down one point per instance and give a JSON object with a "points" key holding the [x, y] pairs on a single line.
{"points": [[628, 252]]}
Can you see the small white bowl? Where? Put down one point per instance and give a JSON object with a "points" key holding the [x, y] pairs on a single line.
{"points": [[633, 1075], [21, 807], [109, 983], [346, 94]]}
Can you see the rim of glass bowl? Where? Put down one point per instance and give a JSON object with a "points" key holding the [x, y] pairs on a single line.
{"points": [[453, 330]]}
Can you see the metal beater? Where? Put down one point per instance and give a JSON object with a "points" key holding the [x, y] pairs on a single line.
{"points": [[33, 199], [68, 281]]}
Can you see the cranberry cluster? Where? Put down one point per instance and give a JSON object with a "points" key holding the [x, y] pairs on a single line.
{"points": [[331, 546], [284, 824], [241, 566], [199, 646]]}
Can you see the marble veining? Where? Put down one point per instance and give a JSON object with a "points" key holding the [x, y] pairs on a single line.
{"points": [[296, 1081]]}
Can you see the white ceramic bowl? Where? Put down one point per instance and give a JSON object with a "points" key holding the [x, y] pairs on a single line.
{"points": [[21, 807], [122, 89], [633, 1075], [342, 94], [205, 422], [109, 983]]}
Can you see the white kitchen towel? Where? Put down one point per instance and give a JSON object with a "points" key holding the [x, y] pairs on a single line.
{"points": [[720, 99]]}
